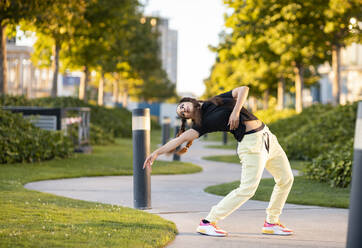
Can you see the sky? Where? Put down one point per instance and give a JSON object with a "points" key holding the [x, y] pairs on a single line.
{"points": [[198, 23]]}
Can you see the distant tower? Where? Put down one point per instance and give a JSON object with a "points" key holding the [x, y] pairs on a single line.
{"points": [[168, 44]]}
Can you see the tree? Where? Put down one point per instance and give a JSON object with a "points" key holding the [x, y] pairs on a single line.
{"points": [[145, 61], [57, 23], [245, 53], [12, 12], [295, 35], [341, 27], [111, 40]]}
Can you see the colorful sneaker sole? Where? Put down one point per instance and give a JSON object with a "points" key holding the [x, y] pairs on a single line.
{"points": [[275, 232], [214, 234]]}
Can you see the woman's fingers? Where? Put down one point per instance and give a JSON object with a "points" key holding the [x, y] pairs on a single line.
{"points": [[233, 124], [147, 162]]}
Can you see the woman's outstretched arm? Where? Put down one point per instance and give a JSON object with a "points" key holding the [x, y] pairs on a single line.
{"points": [[189, 135], [240, 94]]}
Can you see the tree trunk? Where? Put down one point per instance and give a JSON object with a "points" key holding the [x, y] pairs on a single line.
{"points": [[3, 62], [124, 98], [281, 90], [115, 92], [266, 99], [84, 84], [55, 68], [254, 104], [100, 90], [298, 70], [336, 66]]}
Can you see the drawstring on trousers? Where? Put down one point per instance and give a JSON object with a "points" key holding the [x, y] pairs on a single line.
{"points": [[266, 141]]}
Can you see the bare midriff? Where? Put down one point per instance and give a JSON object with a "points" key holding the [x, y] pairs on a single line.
{"points": [[251, 125]]}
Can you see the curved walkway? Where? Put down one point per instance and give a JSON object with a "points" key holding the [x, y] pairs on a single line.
{"points": [[181, 199]]}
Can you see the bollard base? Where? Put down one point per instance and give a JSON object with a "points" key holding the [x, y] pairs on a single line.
{"points": [[143, 208]]}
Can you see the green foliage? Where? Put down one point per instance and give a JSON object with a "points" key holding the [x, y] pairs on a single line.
{"points": [[333, 166], [284, 127], [115, 121], [272, 115], [20, 141], [322, 133], [99, 136], [8, 100], [106, 123]]}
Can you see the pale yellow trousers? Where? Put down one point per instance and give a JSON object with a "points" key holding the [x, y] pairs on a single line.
{"points": [[258, 151]]}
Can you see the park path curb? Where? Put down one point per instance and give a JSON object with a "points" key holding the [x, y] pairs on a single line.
{"points": [[181, 199]]}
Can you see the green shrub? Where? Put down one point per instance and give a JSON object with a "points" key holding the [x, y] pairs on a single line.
{"points": [[271, 115], [20, 141], [333, 166], [321, 133], [284, 127], [8, 100], [115, 121], [99, 137]]}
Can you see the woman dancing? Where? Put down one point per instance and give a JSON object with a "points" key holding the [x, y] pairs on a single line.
{"points": [[257, 149]]}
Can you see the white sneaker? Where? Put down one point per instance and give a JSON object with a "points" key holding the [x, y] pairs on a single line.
{"points": [[276, 229], [211, 229]]}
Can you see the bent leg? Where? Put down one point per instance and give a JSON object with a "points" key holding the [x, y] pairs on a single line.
{"points": [[278, 165], [253, 164]]}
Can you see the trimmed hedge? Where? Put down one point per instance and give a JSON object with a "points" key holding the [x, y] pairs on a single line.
{"points": [[99, 136], [333, 166], [322, 133], [272, 115], [106, 123], [20, 141], [115, 121], [284, 127]]}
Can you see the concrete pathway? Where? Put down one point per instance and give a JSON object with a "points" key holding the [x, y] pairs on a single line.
{"points": [[181, 199]]}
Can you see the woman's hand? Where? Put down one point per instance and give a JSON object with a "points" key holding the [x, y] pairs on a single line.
{"points": [[149, 160], [234, 120]]}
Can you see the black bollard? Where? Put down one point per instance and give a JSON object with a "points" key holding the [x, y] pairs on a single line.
{"points": [[141, 126], [225, 138], [354, 237], [176, 157], [165, 129]]}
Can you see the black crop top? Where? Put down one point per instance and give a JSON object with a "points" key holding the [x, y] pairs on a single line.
{"points": [[215, 118]]}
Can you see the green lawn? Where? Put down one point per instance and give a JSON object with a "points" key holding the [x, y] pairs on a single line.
{"points": [[34, 219], [304, 191], [224, 158], [297, 165], [230, 145]]}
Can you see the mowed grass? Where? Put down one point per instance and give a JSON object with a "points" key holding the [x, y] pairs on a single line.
{"points": [[229, 146], [218, 136], [224, 158], [33, 219], [304, 191]]}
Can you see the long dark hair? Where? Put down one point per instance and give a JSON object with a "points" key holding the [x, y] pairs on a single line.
{"points": [[197, 118]]}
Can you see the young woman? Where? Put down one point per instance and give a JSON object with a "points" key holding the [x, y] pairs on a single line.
{"points": [[257, 149]]}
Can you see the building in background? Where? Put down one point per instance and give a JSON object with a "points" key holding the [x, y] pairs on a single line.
{"points": [[168, 42], [351, 79], [168, 48], [24, 78]]}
